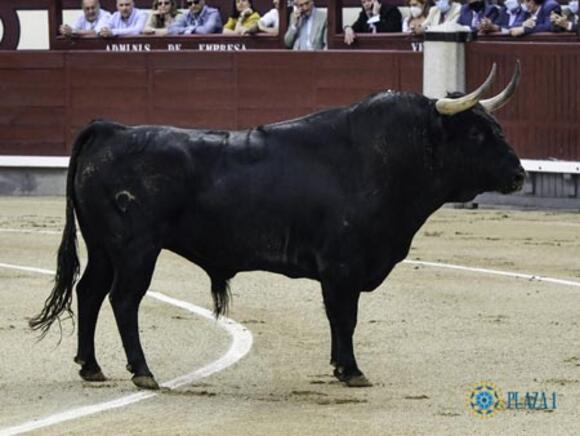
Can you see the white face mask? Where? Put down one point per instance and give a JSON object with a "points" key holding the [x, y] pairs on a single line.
{"points": [[443, 5], [525, 7], [511, 5], [573, 6], [416, 11]]}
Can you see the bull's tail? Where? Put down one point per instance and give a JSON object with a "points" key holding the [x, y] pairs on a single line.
{"points": [[68, 266], [220, 292]]}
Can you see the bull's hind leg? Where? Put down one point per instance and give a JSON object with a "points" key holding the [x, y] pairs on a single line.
{"points": [[132, 279], [91, 290]]}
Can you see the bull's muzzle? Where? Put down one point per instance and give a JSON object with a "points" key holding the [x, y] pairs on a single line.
{"points": [[516, 181]]}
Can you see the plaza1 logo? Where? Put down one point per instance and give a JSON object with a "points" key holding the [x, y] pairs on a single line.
{"points": [[486, 399]]}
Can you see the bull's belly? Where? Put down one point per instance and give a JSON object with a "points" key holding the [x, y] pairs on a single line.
{"points": [[233, 261]]}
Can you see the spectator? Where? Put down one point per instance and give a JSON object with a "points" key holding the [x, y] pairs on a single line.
{"points": [[162, 15], [127, 21], [510, 15], [89, 23], [243, 19], [474, 12], [200, 18], [539, 20], [418, 10], [270, 22], [444, 11], [568, 21], [307, 30], [374, 17]]}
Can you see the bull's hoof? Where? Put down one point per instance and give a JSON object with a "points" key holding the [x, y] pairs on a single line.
{"points": [[90, 373], [145, 382], [353, 380], [358, 381], [92, 376]]}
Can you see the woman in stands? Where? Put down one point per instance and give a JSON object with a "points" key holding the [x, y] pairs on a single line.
{"points": [[243, 19], [418, 10], [162, 15]]}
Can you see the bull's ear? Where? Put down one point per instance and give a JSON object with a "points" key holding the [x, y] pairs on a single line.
{"points": [[500, 100], [452, 106]]}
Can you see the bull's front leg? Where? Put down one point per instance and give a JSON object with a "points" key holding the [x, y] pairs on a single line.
{"points": [[341, 303]]}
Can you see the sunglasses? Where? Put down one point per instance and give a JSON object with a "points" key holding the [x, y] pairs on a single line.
{"points": [[163, 3], [193, 2]]}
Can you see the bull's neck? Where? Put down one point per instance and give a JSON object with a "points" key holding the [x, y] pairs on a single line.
{"points": [[410, 191]]}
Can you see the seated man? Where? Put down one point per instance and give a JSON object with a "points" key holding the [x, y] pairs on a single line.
{"points": [[511, 15], [568, 21], [199, 19], [475, 11], [307, 29], [374, 17], [89, 23], [127, 21], [539, 21]]}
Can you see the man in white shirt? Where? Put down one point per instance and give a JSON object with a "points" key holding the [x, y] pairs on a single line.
{"points": [[89, 23]]}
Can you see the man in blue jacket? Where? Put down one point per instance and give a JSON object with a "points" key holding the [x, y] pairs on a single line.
{"points": [[474, 12], [510, 15], [200, 19], [539, 20]]}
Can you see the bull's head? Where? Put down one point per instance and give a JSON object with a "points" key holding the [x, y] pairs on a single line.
{"points": [[477, 141]]}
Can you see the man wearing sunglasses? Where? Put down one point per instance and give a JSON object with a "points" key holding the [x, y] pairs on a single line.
{"points": [[89, 23], [127, 21], [200, 19]]}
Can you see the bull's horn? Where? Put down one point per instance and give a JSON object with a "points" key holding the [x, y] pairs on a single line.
{"points": [[500, 100], [452, 106]]}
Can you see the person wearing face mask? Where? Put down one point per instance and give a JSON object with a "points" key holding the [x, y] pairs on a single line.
{"points": [[475, 11], [444, 11], [511, 15], [539, 20], [568, 21], [374, 17], [418, 10]]}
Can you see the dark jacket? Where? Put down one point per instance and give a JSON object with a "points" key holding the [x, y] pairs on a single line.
{"points": [[390, 21], [503, 19], [543, 23], [466, 15]]}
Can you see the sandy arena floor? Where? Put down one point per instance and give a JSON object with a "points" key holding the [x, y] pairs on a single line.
{"points": [[424, 338]]}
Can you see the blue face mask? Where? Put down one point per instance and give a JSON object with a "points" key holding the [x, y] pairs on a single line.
{"points": [[573, 6], [511, 5], [443, 5]]}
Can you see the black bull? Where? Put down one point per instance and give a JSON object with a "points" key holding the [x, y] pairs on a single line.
{"points": [[336, 196]]}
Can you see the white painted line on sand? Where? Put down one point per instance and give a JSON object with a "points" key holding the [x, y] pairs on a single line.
{"points": [[529, 277], [241, 344], [33, 231]]}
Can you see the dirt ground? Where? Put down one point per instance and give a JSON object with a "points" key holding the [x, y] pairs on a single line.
{"points": [[424, 338]]}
